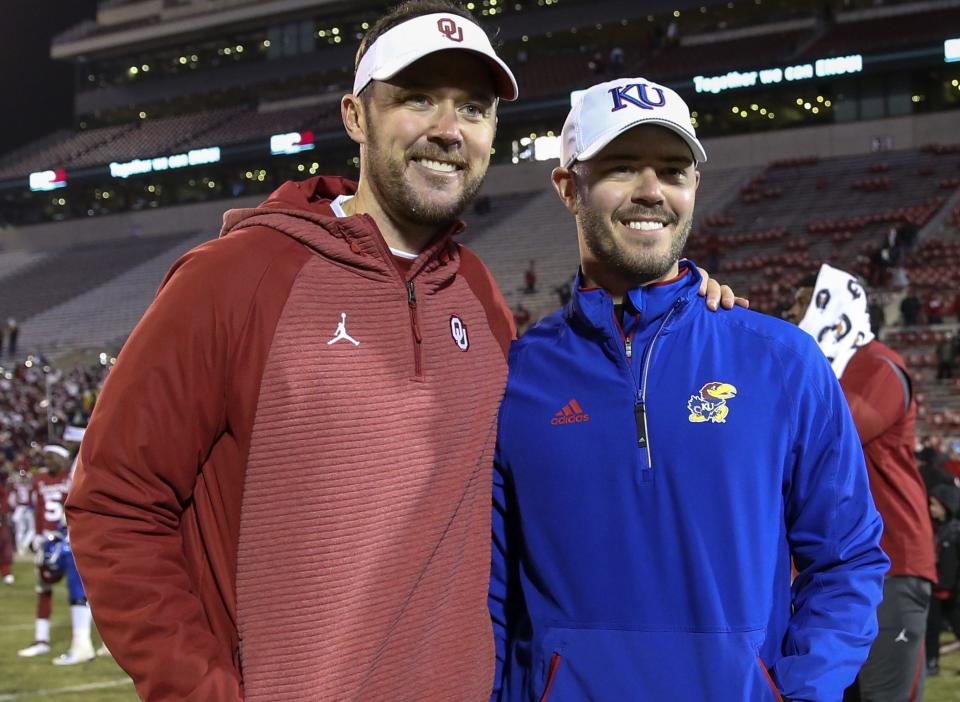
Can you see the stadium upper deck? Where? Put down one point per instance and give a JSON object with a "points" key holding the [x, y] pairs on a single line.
{"points": [[157, 80]]}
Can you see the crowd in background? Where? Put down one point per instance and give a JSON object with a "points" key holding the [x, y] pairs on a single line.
{"points": [[38, 402]]}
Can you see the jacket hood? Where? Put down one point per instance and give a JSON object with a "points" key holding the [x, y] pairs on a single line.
{"points": [[301, 210]]}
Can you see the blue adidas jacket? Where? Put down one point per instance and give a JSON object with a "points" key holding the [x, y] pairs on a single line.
{"points": [[650, 488]]}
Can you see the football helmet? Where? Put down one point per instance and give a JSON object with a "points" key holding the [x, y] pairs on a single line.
{"points": [[51, 567]]}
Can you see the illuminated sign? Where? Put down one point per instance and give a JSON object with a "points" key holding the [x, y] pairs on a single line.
{"points": [[292, 143], [48, 180], [951, 50], [821, 68], [546, 148], [197, 157]]}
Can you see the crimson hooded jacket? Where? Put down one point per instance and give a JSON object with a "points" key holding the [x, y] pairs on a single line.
{"points": [[284, 490]]}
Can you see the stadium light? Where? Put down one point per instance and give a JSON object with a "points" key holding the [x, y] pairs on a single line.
{"points": [[951, 50], [44, 181], [291, 143]]}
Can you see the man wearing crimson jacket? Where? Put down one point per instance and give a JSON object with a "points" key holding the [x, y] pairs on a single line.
{"points": [[832, 307]]}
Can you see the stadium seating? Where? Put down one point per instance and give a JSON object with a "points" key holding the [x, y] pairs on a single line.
{"points": [[58, 277], [156, 137], [825, 213], [251, 125], [13, 261], [68, 149], [107, 313], [899, 31], [166, 135], [686, 61]]}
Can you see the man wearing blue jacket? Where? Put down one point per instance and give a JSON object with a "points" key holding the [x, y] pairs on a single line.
{"points": [[658, 466]]}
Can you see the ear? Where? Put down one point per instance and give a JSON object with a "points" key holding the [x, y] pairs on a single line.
{"points": [[696, 179], [351, 112], [564, 182]]}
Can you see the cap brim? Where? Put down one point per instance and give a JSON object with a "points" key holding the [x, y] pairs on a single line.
{"points": [[699, 155], [506, 84]]}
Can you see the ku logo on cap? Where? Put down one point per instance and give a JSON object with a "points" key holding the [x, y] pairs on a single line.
{"points": [[449, 29], [621, 97]]}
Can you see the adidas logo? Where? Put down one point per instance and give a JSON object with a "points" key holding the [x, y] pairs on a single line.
{"points": [[572, 413]]}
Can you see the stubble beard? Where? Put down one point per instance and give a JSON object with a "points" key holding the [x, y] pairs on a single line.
{"points": [[637, 265], [404, 200]]}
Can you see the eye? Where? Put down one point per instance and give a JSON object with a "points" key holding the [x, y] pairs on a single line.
{"points": [[417, 100], [474, 111], [674, 173]]}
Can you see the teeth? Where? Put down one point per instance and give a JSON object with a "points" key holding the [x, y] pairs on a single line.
{"points": [[644, 225], [437, 165]]}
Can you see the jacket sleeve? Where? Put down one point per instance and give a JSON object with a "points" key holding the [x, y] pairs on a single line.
{"points": [[498, 598], [834, 533], [160, 412], [505, 598], [879, 403]]}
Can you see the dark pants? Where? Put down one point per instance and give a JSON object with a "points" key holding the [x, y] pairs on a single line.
{"points": [[940, 611], [895, 670]]}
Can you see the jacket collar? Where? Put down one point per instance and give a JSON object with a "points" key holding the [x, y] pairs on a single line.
{"points": [[301, 210], [593, 307]]}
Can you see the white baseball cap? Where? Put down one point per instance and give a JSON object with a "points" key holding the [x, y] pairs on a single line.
{"points": [[410, 41], [605, 111]]}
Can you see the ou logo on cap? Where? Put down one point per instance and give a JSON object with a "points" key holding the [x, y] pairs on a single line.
{"points": [[458, 330], [449, 29]]}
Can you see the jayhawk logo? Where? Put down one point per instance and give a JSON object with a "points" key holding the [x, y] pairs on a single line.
{"points": [[711, 404]]}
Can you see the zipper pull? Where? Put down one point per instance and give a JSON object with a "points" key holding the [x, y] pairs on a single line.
{"points": [[629, 346], [412, 301], [639, 413]]}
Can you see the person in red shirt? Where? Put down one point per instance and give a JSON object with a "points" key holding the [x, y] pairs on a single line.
{"points": [[833, 308], [22, 517], [6, 528], [50, 488]]}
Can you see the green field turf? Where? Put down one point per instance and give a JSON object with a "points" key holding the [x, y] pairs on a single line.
{"points": [[103, 681]]}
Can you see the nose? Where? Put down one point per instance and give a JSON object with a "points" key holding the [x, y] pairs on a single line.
{"points": [[647, 190], [445, 129]]}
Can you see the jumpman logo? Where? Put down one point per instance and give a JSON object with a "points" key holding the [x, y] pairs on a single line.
{"points": [[902, 636], [341, 332]]}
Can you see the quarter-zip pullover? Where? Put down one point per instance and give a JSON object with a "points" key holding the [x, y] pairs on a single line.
{"points": [[647, 504], [284, 491]]}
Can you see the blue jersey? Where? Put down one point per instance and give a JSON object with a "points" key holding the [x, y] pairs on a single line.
{"points": [[653, 480]]}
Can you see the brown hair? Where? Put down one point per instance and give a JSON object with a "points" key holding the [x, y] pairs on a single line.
{"points": [[406, 11]]}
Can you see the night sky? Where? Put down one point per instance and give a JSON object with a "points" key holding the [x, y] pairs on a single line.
{"points": [[37, 91]]}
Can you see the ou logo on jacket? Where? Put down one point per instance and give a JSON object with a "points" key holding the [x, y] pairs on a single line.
{"points": [[458, 330]]}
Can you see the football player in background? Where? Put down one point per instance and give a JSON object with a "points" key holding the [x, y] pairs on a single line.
{"points": [[6, 527], [55, 561], [23, 520]]}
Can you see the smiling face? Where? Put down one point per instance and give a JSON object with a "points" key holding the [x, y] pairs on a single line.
{"points": [[427, 134], [634, 207]]}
